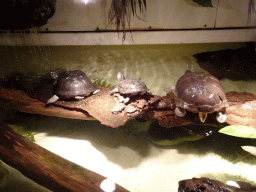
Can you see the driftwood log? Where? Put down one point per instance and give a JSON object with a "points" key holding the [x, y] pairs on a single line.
{"points": [[241, 110], [37, 163], [44, 167]]}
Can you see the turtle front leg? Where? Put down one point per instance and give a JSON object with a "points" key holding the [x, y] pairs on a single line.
{"points": [[181, 112], [221, 118], [79, 97], [96, 91], [53, 99], [126, 100], [202, 116], [113, 91]]}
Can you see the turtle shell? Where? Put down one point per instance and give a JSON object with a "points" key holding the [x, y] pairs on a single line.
{"points": [[200, 92], [132, 87], [73, 83]]}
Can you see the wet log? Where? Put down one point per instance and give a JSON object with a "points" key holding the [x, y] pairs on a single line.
{"points": [[95, 107], [30, 159], [111, 112], [44, 167], [241, 111]]}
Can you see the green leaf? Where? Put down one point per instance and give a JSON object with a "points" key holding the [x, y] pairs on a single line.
{"points": [[250, 149], [239, 131], [205, 3]]}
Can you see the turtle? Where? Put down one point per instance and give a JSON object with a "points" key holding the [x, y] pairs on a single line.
{"points": [[71, 85], [129, 88], [200, 92]]}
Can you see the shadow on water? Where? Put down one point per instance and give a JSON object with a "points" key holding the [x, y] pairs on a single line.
{"points": [[224, 177], [136, 138], [202, 140], [131, 138]]}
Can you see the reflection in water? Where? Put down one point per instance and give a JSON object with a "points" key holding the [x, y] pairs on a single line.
{"points": [[84, 1], [127, 152], [168, 137], [159, 66]]}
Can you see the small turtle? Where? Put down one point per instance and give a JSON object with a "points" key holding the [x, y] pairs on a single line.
{"points": [[202, 93], [71, 85], [129, 88]]}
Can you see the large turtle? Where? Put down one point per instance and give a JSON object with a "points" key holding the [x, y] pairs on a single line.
{"points": [[202, 93], [71, 85], [129, 87]]}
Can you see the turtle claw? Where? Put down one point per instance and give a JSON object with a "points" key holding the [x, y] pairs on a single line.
{"points": [[53, 99], [202, 116], [96, 91], [126, 100], [181, 112], [221, 118], [79, 97], [113, 91]]}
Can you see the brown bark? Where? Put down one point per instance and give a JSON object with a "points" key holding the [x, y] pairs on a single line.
{"points": [[44, 167], [59, 174], [241, 110]]}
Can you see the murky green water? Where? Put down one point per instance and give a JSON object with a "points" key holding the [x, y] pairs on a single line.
{"points": [[159, 66], [126, 154]]}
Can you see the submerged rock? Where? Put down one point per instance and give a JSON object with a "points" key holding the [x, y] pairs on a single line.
{"points": [[205, 184], [233, 64]]}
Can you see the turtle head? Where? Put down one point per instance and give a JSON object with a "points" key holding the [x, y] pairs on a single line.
{"points": [[120, 76]]}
